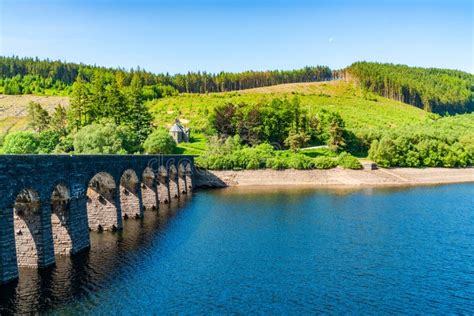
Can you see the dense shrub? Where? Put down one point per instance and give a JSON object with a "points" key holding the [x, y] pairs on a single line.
{"points": [[277, 163], [47, 141], [99, 139], [421, 150], [160, 142], [300, 162], [324, 163], [347, 161], [21, 143]]}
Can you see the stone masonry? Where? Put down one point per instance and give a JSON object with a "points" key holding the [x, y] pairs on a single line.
{"points": [[49, 203]]}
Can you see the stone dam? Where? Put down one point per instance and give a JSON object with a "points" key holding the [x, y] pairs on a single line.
{"points": [[49, 203]]}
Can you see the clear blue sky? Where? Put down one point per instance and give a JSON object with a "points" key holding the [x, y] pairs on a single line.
{"points": [[233, 35]]}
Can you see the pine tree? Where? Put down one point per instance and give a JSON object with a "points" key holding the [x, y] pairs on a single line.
{"points": [[58, 121], [80, 104], [138, 116], [116, 103], [336, 133], [38, 118]]}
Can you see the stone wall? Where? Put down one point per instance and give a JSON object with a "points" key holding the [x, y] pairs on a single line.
{"points": [[48, 203]]}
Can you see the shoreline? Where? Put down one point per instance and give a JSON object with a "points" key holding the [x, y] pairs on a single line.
{"points": [[334, 178]]}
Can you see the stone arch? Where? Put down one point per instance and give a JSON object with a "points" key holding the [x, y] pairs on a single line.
{"points": [[103, 209], [149, 190], [60, 220], [182, 178], [28, 228], [163, 185], [173, 182], [130, 200]]}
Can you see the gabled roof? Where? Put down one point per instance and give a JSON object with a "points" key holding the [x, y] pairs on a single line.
{"points": [[176, 128]]}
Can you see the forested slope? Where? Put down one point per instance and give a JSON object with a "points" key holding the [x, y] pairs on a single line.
{"points": [[47, 77], [432, 89]]}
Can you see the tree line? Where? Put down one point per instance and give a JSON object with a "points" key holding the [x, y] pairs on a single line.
{"points": [[32, 75], [435, 90], [280, 122], [103, 117]]}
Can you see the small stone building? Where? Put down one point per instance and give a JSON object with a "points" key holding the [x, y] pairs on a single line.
{"points": [[179, 132]]}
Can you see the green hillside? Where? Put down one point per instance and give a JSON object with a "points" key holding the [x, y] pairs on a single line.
{"points": [[262, 127], [360, 111]]}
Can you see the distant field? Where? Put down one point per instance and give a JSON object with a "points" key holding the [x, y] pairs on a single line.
{"points": [[13, 109], [358, 109]]}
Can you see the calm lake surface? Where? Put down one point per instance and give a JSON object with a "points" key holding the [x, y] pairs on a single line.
{"points": [[273, 250]]}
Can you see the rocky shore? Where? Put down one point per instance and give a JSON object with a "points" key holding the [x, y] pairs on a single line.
{"points": [[335, 177]]}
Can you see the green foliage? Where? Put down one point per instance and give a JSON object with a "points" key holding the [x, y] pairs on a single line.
{"points": [[447, 142], [230, 154], [22, 142], [160, 142], [278, 162], [79, 112], [58, 122], [324, 162], [99, 139], [300, 161], [105, 100], [336, 140], [434, 90], [28, 75], [271, 122], [158, 91], [346, 161], [47, 141], [38, 118], [137, 115], [196, 145], [65, 145], [297, 140]]}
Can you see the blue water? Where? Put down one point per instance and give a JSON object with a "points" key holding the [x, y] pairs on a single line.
{"points": [[275, 251]]}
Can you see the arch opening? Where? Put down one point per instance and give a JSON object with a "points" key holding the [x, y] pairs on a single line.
{"points": [[27, 228], [60, 220], [102, 209], [129, 194]]}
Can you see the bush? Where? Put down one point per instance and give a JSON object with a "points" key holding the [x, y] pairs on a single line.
{"points": [[47, 141], [347, 161], [430, 148], [324, 163], [66, 145], [99, 139], [277, 163], [300, 162], [20, 143], [159, 142]]}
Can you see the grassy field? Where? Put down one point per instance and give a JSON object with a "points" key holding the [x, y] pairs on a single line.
{"points": [[359, 110], [13, 109]]}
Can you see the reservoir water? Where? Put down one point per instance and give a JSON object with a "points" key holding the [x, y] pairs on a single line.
{"points": [[274, 251]]}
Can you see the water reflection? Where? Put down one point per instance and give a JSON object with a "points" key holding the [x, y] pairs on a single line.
{"points": [[82, 274], [278, 250]]}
